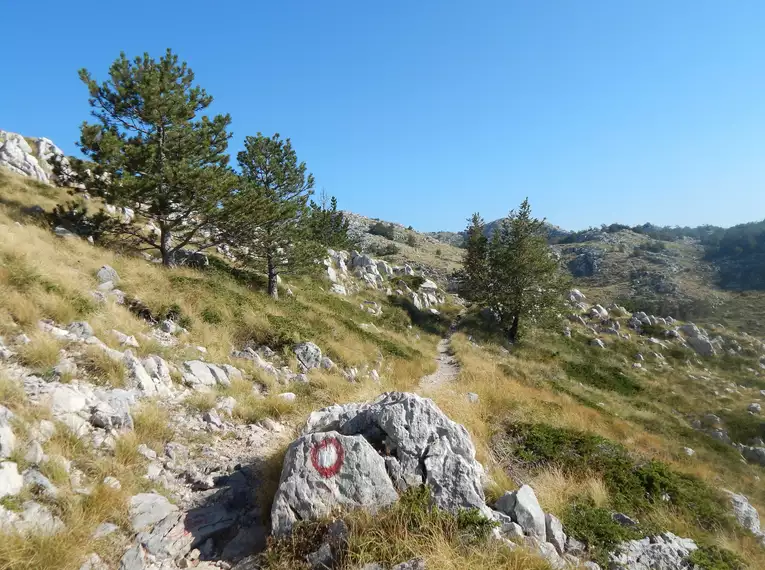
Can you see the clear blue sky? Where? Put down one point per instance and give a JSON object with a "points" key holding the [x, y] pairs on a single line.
{"points": [[425, 111]]}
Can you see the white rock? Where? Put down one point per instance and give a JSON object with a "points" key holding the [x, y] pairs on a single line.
{"points": [[555, 534], [11, 481], [147, 509]]}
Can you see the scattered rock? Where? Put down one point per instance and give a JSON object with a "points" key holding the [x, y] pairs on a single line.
{"points": [[147, 509], [665, 551], [308, 355]]}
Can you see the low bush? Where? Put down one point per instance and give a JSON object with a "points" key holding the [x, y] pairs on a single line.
{"points": [[382, 229], [715, 558], [635, 486], [597, 529], [603, 376]]}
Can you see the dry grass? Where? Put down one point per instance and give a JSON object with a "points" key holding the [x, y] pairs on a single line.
{"points": [[102, 369], [43, 352], [556, 490], [152, 425]]}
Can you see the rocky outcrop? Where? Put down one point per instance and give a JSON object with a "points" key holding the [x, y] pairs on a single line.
{"points": [[414, 441], [662, 552], [325, 471], [31, 157]]}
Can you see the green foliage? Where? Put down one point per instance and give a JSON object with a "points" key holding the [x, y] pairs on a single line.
{"points": [[653, 246], [328, 226], [412, 281], [73, 215], [603, 376], [597, 529], [411, 240], [151, 147], [211, 316], [715, 558], [382, 229], [523, 282], [634, 486], [472, 278], [383, 250], [267, 214], [742, 426]]}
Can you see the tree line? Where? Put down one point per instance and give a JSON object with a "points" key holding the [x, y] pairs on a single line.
{"points": [[153, 148]]}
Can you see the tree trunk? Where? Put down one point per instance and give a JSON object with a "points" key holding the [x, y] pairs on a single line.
{"points": [[512, 335], [165, 245], [272, 275]]}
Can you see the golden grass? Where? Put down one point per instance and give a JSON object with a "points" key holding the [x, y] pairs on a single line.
{"points": [[102, 369], [41, 353], [555, 489], [152, 425]]}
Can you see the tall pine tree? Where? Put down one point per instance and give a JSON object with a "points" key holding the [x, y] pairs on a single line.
{"points": [[268, 216], [472, 279], [524, 282], [152, 149]]}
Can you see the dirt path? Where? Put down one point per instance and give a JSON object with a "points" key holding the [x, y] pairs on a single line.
{"points": [[448, 367]]}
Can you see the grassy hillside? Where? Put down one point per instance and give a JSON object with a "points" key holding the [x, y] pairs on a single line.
{"points": [[589, 431]]}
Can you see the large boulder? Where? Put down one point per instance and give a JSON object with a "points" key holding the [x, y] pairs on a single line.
{"points": [[420, 445], [746, 515], [324, 471], [702, 345]]}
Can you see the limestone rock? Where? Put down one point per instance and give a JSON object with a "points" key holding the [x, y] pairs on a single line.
{"points": [[746, 515], [11, 482], [308, 354], [662, 552], [147, 509], [324, 471], [107, 273], [429, 447]]}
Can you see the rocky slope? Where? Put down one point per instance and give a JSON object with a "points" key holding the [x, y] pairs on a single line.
{"points": [[158, 419]]}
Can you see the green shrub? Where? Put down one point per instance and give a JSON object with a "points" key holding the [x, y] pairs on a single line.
{"points": [[603, 376], [382, 250], [595, 527], [634, 486], [382, 229], [715, 558], [411, 240], [211, 316]]}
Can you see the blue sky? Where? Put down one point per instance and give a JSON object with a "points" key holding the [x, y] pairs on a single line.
{"points": [[425, 111]]}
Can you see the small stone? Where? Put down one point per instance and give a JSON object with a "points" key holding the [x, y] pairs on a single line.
{"points": [[107, 273], [288, 396], [624, 520], [35, 454], [472, 397], [112, 482], [688, 451], [104, 529], [754, 408]]}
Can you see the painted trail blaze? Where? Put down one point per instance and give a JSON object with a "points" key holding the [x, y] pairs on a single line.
{"points": [[327, 456]]}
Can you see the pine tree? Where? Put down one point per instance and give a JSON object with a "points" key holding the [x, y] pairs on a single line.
{"points": [[523, 281], [474, 262], [329, 227], [268, 220], [152, 151]]}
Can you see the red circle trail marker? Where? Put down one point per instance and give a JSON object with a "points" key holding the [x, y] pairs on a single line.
{"points": [[327, 457]]}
